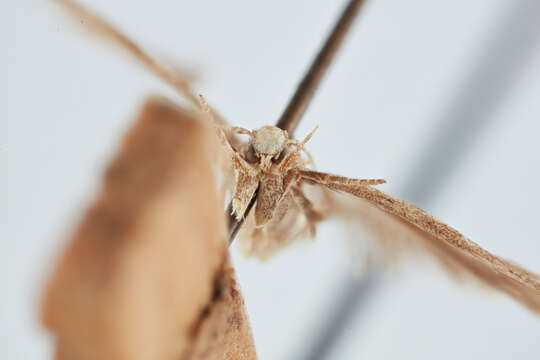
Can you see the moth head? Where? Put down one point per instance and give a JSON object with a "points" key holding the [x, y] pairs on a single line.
{"points": [[268, 141]]}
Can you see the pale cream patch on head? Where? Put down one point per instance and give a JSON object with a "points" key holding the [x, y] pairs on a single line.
{"points": [[269, 140]]}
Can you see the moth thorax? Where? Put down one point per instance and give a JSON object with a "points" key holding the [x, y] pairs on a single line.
{"points": [[269, 140]]}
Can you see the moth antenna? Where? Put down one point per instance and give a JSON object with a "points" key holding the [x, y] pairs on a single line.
{"points": [[308, 137], [310, 158], [205, 107], [300, 144], [216, 119], [104, 30]]}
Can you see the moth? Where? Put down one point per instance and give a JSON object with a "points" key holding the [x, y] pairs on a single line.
{"points": [[128, 286], [292, 197]]}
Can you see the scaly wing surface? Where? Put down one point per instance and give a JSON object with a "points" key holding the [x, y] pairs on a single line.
{"points": [[399, 225]]}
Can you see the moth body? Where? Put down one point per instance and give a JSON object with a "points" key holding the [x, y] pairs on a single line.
{"points": [[272, 163], [265, 165]]}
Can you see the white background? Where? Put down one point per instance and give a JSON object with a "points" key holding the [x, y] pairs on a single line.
{"points": [[403, 75]]}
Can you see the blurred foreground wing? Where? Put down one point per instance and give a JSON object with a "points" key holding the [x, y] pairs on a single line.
{"points": [[145, 274], [398, 225]]}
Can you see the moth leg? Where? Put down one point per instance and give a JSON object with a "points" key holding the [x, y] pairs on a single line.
{"points": [[300, 144], [300, 148], [310, 158], [291, 159], [312, 216], [246, 174], [247, 179], [238, 161]]}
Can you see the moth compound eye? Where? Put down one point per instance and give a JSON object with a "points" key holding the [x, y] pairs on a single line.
{"points": [[251, 155], [278, 157], [269, 140]]}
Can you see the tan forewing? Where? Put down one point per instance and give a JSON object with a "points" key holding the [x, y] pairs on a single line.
{"points": [[383, 213], [270, 193], [245, 187], [141, 272]]}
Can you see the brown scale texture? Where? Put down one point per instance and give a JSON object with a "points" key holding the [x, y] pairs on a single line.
{"points": [[398, 226], [141, 266], [286, 226], [224, 327], [244, 189], [271, 191]]}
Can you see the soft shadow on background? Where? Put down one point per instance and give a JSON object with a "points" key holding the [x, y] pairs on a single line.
{"points": [[490, 81]]}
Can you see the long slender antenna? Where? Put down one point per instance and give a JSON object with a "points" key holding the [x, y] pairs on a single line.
{"points": [[306, 89]]}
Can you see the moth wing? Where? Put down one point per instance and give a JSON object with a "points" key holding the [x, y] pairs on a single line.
{"points": [[147, 265], [286, 226], [245, 187], [399, 226], [270, 195]]}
